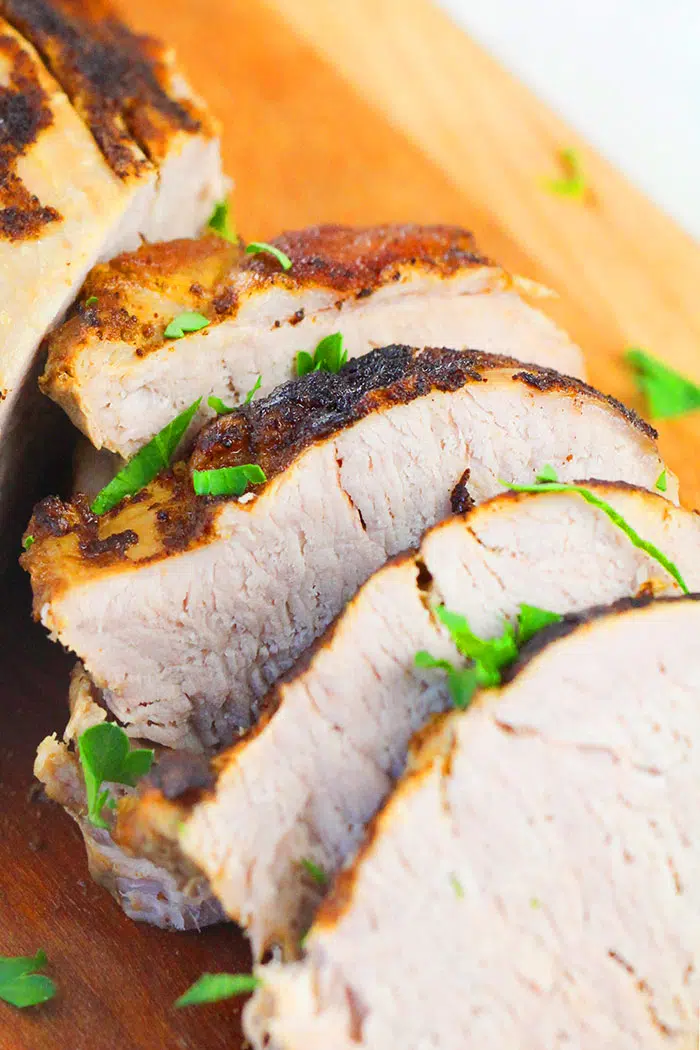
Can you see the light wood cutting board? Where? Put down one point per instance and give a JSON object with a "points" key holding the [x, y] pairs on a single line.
{"points": [[363, 111]]}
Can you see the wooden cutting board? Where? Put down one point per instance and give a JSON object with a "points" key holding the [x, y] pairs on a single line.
{"points": [[359, 112]]}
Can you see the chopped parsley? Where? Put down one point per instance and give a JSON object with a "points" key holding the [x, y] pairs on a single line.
{"points": [[222, 409], [227, 481], [546, 482], [256, 247], [662, 481], [91, 300], [456, 886], [315, 871], [213, 987], [487, 656], [189, 321], [106, 757], [667, 393], [329, 356], [220, 221], [146, 464], [535, 903], [27, 542], [573, 183], [20, 984]]}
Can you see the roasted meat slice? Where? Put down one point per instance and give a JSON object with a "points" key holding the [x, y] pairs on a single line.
{"points": [[185, 609], [64, 204], [120, 379], [303, 784], [533, 879]]}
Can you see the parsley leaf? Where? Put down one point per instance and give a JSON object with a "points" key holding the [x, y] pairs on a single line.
{"points": [[255, 247], [21, 985], [456, 886], [573, 184], [488, 656], [27, 542], [106, 756], [220, 221], [146, 464], [616, 518], [316, 872], [662, 481], [189, 321], [668, 394], [223, 409], [329, 356], [91, 300], [213, 987], [227, 481]]}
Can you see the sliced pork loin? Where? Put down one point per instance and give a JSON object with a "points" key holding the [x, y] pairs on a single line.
{"points": [[303, 784], [179, 899], [185, 609], [120, 380], [533, 879], [74, 190]]}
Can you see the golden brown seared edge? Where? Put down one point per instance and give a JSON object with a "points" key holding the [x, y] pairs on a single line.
{"points": [[166, 517], [118, 81], [216, 279]]}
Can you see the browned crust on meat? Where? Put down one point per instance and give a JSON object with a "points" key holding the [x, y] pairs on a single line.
{"points": [[148, 825], [216, 278], [118, 81], [25, 112], [272, 433]]}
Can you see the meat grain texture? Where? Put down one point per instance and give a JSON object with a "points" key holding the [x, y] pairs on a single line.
{"points": [[334, 737], [427, 285], [533, 880], [186, 609], [92, 159]]}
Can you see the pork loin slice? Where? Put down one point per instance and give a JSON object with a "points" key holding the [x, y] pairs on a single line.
{"points": [[179, 899], [304, 783], [533, 880], [185, 609], [64, 204], [121, 380]]}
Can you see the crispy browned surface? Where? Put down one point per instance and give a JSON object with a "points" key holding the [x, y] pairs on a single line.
{"points": [[25, 112], [71, 544], [117, 81]]}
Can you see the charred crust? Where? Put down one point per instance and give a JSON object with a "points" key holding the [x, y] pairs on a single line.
{"points": [[53, 517], [177, 774], [546, 379], [112, 547], [117, 80], [570, 623], [25, 112], [460, 499]]}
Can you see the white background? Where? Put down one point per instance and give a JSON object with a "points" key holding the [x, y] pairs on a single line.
{"points": [[624, 73]]}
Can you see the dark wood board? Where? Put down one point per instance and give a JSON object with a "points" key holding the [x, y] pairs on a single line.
{"points": [[362, 112]]}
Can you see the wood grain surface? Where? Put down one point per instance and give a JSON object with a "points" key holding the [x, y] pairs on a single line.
{"points": [[360, 112]]}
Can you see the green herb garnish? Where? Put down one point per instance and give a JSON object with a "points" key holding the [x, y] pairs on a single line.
{"points": [[146, 464], [27, 542], [106, 757], [662, 481], [222, 409], [220, 221], [227, 481], [573, 184], [91, 300], [213, 987], [253, 390], [316, 872], [189, 321], [329, 356], [550, 485], [20, 984], [456, 886], [487, 656], [668, 394], [260, 246]]}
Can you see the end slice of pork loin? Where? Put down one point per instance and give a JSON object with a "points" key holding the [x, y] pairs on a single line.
{"points": [[66, 202], [304, 783], [533, 879], [186, 609], [179, 899], [121, 380]]}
